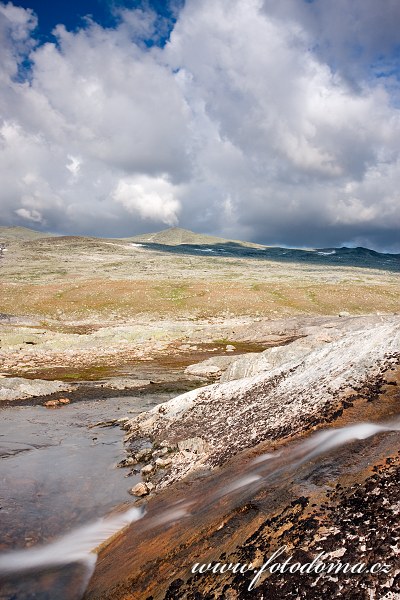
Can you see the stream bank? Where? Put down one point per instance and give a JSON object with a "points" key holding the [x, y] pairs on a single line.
{"points": [[340, 499], [339, 381], [214, 510]]}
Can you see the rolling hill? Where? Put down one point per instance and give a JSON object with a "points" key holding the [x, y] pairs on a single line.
{"points": [[176, 236]]}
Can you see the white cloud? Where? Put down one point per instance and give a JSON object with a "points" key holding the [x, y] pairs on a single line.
{"points": [[73, 165], [357, 38], [30, 215], [255, 120], [16, 26], [152, 198]]}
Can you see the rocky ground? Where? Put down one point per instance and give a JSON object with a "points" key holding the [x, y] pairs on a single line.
{"points": [[357, 525], [343, 502], [78, 309], [100, 303], [275, 351], [272, 395]]}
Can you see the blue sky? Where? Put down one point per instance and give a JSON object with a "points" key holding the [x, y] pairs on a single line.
{"points": [[276, 122], [74, 14], [69, 13]]}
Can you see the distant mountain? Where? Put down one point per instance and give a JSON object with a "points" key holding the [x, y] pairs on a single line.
{"points": [[176, 236], [22, 234], [182, 241]]}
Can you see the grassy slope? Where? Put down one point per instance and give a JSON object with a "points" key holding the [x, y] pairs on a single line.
{"points": [[82, 278]]}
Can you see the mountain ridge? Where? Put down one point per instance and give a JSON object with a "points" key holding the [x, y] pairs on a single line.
{"points": [[19, 233], [174, 236], [178, 236]]}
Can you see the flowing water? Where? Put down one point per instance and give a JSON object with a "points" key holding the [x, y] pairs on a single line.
{"points": [[63, 568], [57, 471]]}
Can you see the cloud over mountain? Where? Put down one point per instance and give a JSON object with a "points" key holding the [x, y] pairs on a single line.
{"points": [[276, 122]]}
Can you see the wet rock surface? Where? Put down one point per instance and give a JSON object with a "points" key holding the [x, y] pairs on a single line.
{"points": [[344, 503], [358, 525]]}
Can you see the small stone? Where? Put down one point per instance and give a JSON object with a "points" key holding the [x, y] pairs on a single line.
{"points": [[64, 401], [144, 454], [147, 470], [52, 404], [344, 313], [105, 423], [160, 452], [140, 489], [230, 348], [127, 462], [162, 463]]}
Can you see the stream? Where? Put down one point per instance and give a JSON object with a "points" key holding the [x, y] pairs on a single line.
{"points": [[57, 471]]}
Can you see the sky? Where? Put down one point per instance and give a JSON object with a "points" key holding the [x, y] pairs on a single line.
{"points": [[273, 122]]}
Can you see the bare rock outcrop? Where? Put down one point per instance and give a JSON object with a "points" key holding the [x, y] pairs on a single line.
{"points": [[310, 336], [211, 367], [18, 388], [304, 383]]}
